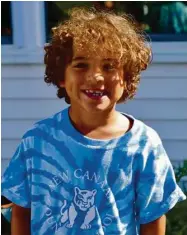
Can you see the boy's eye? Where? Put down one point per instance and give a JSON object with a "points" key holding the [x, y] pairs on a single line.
{"points": [[108, 67], [80, 65]]}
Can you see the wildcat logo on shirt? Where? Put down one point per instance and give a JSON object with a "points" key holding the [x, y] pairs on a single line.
{"points": [[80, 210], [83, 202]]}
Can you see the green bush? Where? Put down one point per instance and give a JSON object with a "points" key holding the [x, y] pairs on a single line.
{"points": [[177, 217]]}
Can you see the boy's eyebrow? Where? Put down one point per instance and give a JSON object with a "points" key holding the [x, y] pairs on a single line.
{"points": [[110, 59], [79, 58], [86, 58]]}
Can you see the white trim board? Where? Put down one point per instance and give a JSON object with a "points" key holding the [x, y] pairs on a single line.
{"points": [[170, 52]]}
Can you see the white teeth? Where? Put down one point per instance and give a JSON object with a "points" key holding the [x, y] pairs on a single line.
{"points": [[89, 91], [95, 93]]}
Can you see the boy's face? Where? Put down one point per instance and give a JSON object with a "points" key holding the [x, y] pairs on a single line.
{"points": [[93, 83]]}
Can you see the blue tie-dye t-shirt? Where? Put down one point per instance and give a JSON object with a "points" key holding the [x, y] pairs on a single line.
{"points": [[76, 185]]}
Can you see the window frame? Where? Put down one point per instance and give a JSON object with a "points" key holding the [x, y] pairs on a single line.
{"points": [[28, 33], [168, 37]]}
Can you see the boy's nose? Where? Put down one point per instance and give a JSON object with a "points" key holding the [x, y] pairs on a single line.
{"points": [[97, 77]]}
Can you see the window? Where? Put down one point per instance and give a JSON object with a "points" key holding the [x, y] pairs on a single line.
{"points": [[163, 21], [6, 23]]}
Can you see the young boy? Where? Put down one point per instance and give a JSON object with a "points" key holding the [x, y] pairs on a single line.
{"points": [[90, 169]]}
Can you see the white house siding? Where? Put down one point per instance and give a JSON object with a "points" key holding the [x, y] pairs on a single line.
{"points": [[161, 102]]}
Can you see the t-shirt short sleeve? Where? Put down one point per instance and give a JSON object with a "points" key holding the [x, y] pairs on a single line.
{"points": [[16, 179], [156, 188]]}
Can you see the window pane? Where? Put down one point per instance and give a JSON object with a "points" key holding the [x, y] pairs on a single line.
{"points": [[6, 24], [163, 21]]}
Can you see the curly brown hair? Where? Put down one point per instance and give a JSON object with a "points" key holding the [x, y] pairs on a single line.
{"points": [[98, 32]]}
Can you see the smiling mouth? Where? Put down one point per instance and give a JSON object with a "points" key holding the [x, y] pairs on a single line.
{"points": [[95, 94]]}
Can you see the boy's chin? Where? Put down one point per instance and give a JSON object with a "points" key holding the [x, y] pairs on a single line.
{"points": [[99, 108]]}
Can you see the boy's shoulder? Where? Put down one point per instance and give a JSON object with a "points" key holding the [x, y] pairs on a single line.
{"points": [[52, 120], [145, 133], [47, 125]]}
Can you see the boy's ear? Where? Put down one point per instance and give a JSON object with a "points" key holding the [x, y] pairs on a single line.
{"points": [[62, 84]]}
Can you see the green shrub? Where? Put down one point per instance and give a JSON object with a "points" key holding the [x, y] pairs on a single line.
{"points": [[177, 217]]}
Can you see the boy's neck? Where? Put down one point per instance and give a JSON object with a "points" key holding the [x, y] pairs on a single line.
{"points": [[91, 120], [86, 122]]}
